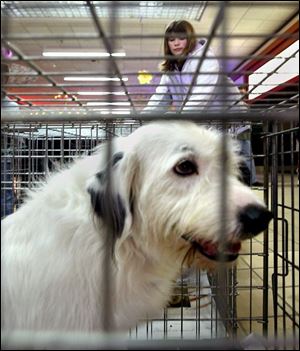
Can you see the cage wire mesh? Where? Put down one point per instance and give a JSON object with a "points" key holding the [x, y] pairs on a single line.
{"points": [[252, 304]]}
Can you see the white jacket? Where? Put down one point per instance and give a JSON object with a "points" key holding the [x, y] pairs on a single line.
{"points": [[173, 88]]}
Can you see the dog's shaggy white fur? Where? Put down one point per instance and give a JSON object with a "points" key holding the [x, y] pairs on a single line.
{"points": [[164, 213]]}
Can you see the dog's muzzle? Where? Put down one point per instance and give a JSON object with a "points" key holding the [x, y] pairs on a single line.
{"points": [[252, 220], [225, 252]]}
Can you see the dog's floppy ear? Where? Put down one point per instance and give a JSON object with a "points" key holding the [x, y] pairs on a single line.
{"points": [[108, 205], [112, 201]]}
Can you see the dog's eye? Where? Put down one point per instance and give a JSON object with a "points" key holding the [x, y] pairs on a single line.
{"points": [[185, 168]]}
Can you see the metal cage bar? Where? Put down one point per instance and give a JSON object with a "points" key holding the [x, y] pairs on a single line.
{"points": [[38, 138]]}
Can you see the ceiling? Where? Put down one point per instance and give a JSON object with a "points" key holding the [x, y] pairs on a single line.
{"points": [[30, 27]]}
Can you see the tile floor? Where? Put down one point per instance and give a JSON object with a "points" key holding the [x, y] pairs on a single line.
{"points": [[250, 268]]}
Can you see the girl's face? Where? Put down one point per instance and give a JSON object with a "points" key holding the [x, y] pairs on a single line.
{"points": [[177, 45]]}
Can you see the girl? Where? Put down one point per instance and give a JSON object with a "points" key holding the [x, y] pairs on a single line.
{"points": [[180, 42], [207, 94]]}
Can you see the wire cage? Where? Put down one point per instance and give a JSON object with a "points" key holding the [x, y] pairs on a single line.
{"points": [[254, 303]]}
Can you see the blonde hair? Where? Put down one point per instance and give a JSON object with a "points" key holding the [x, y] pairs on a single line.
{"points": [[182, 29]]}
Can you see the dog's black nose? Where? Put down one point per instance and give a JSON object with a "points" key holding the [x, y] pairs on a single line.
{"points": [[254, 219]]}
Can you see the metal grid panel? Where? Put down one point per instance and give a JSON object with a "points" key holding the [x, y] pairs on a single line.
{"points": [[49, 83], [133, 9], [35, 146], [284, 196]]}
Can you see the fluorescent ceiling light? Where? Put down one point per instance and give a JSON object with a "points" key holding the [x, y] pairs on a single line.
{"points": [[287, 71], [118, 54], [115, 112], [100, 93], [81, 54], [96, 79], [121, 103], [109, 109]]}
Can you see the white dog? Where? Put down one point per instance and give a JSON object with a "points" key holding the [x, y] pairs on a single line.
{"points": [[164, 213]]}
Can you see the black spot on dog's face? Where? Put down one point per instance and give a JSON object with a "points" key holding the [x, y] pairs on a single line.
{"points": [[102, 176], [110, 209], [117, 157], [106, 205]]}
